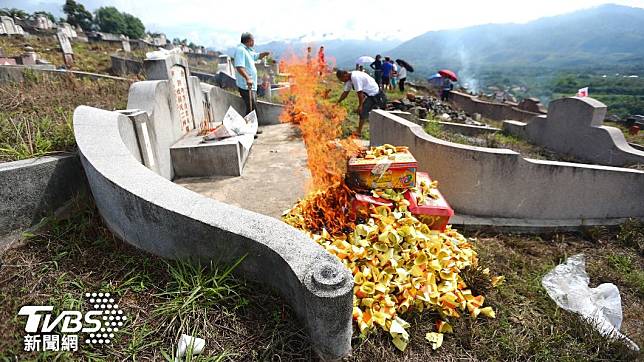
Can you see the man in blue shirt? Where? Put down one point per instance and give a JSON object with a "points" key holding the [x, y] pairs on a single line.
{"points": [[246, 79], [387, 69]]}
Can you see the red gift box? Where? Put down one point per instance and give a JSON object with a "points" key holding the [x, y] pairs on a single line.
{"points": [[435, 213]]}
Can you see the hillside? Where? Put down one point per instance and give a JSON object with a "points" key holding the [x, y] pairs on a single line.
{"points": [[344, 52], [603, 36]]}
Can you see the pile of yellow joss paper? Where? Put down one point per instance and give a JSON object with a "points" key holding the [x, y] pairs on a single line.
{"points": [[399, 265]]}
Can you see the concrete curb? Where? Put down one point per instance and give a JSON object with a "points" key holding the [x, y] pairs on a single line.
{"points": [[36, 187], [166, 219], [497, 183]]}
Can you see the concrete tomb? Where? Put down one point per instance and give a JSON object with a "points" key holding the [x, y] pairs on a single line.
{"points": [[127, 158], [574, 126], [179, 109]]}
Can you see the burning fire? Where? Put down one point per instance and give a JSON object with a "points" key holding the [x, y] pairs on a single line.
{"points": [[397, 261], [320, 122]]}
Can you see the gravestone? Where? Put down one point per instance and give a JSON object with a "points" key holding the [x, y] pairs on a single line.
{"points": [[174, 68], [66, 48], [29, 57], [125, 43], [8, 25]]}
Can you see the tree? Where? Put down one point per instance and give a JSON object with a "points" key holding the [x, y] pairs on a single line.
{"points": [[134, 28], [176, 41], [77, 15], [14, 13], [110, 20]]}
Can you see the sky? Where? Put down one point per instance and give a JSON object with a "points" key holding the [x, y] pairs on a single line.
{"points": [[218, 24]]}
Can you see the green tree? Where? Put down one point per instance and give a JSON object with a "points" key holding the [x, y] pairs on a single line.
{"points": [[14, 13], [77, 15], [110, 20], [134, 28]]}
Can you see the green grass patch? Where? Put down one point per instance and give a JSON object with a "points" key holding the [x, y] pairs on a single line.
{"points": [[36, 115]]}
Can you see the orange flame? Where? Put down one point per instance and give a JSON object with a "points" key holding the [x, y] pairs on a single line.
{"points": [[320, 121]]}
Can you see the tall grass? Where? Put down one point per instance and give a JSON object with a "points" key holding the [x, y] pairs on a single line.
{"points": [[36, 114]]}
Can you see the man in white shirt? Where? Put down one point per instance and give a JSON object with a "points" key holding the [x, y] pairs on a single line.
{"points": [[370, 96]]}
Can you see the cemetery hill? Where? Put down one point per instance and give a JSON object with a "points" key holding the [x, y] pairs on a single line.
{"points": [[449, 195]]}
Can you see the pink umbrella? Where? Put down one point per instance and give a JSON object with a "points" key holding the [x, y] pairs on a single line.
{"points": [[448, 74]]}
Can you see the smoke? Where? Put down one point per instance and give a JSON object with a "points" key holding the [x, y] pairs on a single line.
{"points": [[467, 73]]}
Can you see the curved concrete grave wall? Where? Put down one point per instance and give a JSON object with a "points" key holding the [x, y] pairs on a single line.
{"points": [[499, 183], [33, 188], [492, 110], [574, 127], [154, 214]]}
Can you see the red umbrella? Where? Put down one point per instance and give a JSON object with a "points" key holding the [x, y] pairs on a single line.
{"points": [[448, 74]]}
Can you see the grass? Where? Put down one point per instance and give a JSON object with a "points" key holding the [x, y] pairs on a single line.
{"points": [[243, 321], [36, 115], [496, 140], [88, 57], [351, 105], [637, 138]]}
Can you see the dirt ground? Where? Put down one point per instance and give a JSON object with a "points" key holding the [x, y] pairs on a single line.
{"points": [[243, 321]]}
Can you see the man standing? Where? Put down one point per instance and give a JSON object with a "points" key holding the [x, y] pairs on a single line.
{"points": [[246, 80], [370, 96], [387, 69]]}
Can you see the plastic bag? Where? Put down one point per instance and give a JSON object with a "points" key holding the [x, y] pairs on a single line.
{"points": [[567, 285]]}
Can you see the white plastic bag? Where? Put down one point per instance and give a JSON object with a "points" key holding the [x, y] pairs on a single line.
{"points": [[567, 285], [186, 343]]}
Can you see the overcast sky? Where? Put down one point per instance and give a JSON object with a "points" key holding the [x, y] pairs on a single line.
{"points": [[218, 23]]}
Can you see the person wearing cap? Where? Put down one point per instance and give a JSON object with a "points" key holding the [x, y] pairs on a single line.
{"points": [[246, 79], [370, 96]]}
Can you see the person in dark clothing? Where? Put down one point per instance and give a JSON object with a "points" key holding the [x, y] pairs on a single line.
{"points": [[446, 88], [377, 67]]}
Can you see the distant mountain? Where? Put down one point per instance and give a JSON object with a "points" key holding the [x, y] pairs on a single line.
{"points": [[345, 52], [607, 35]]}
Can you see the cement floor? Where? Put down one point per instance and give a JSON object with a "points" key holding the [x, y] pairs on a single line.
{"points": [[274, 177]]}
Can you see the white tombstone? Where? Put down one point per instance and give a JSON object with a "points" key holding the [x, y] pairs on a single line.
{"points": [[8, 25], [125, 43], [64, 42]]}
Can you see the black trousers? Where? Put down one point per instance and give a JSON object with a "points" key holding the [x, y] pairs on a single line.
{"points": [[401, 84], [250, 99]]}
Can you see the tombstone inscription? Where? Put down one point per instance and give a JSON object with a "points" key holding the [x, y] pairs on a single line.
{"points": [[182, 97]]}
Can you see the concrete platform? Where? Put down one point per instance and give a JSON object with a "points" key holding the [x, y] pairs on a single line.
{"points": [[274, 178], [191, 157]]}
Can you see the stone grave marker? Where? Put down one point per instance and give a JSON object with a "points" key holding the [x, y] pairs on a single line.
{"points": [[125, 43], [174, 68], [8, 25], [182, 96], [66, 47]]}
